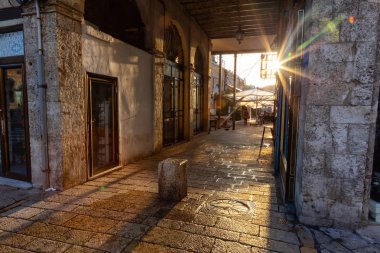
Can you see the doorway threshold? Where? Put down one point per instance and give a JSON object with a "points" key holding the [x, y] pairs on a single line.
{"points": [[15, 183]]}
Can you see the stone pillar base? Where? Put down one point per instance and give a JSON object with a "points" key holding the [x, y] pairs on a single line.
{"points": [[172, 179]]}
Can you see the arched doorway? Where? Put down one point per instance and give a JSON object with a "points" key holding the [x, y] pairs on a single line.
{"points": [[198, 92], [173, 88]]}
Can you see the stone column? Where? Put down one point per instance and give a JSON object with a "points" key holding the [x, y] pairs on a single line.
{"points": [[191, 100], [62, 43], [159, 63], [338, 114]]}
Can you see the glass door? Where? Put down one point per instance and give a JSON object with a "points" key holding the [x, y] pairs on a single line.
{"points": [[103, 124], [13, 124], [173, 104]]}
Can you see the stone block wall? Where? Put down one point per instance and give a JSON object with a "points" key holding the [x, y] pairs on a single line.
{"points": [[339, 94], [39, 177], [61, 34], [62, 22]]}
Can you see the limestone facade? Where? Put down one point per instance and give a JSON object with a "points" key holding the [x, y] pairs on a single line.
{"points": [[71, 51], [340, 92]]}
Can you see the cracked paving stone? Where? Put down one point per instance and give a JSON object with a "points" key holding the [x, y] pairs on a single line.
{"points": [[54, 217], [109, 243], [129, 230], [12, 224], [320, 237], [279, 235], [268, 244], [23, 212], [237, 226], [306, 236], [308, 250], [198, 243], [192, 228], [150, 248], [89, 223], [369, 249], [227, 247], [333, 247], [44, 230], [76, 237], [78, 249], [47, 246], [180, 215], [15, 240], [346, 238], [172, 224], [221, 234], [7, 249], [206, 220], [166, 237]]}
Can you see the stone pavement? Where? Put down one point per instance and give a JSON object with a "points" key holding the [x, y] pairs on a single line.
{"points": [[232, 206]]}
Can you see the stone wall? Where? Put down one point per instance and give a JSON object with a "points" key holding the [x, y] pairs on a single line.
{"points": [[163, 14], [39, 177], [62, 22], [61, 33], [132, 67], [339, 105]]}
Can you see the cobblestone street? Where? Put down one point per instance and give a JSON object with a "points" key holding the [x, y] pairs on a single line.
{"points": [[232, 206]]}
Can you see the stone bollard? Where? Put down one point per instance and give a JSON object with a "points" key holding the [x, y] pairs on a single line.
{"points": [[172, 179]]}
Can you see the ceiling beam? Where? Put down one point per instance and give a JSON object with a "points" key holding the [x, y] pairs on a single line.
{"points": [[232, 5], [230, 19], [248, 22], [218, 2], [212, 13], [244, 28], [248, 34]]}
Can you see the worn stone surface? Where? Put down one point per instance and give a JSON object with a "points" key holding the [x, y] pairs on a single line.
{"points": [[122, 211]]}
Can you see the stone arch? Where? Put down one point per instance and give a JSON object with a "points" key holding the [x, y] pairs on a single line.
{"points": [[173, 46], [175, 89], [182, 34], [118, 18]]}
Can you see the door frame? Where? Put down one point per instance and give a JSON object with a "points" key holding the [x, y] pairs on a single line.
{"points": [[114, 82], [198, 89], [10, 63], [181, 82]]}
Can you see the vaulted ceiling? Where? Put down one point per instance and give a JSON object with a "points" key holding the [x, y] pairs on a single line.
{"points": [[220, 19]]}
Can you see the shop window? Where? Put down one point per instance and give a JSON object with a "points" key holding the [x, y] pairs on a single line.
{"points": [[268, 66]]}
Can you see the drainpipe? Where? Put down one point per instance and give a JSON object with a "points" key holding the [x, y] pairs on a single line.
{"points": [[41, 97]]}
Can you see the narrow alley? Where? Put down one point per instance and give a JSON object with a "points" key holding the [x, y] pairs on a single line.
{"points": [[232, 206]]}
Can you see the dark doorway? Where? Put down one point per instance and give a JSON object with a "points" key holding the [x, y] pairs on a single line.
{"points": [[173, 88], [375, 190], [198, 93], [15, 159], [103, 130], [119, 18], [173, 104]]}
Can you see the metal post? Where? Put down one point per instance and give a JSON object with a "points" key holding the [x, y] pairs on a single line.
{"points": [[234, 101], [219, 103], [42, 99]]}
